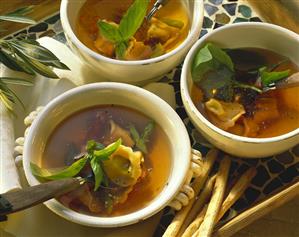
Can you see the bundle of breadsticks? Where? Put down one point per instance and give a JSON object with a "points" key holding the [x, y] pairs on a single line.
{"points": [[210, 203]]}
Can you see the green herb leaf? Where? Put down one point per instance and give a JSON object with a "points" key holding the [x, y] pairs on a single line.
{"points": [[19, 19], [22, 10], [9, 61], [18, 16], [98, 172], [107, 151], [268, 78], [208, 58], [5, 100], [93, 145], [16, 81], [67, 172], [133, 18], [140, 141], [109, 203], [120, 50], [37, 66], [173, 22], [246, 86], [148, 131], [34, 51], [109, 31], [217, 84], [158, 50]]}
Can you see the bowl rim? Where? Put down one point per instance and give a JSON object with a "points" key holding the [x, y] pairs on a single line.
{"points": [[187, 100], [159, 202], [188, 40]]}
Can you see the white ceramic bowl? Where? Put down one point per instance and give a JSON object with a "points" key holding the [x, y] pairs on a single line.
{"points": [[134, 72], [259, 35], [120, 94]]}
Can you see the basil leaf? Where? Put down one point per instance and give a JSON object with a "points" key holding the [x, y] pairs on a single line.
{"points": [[109, 31], [208, 58], [107, 151], [93, 145], [217, 84], [120, 50], [98, 172], [67, 172], [133, 18], [268, 78]]}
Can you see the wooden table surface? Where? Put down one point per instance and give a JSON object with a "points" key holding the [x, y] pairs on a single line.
{"points": [[282, 222]]}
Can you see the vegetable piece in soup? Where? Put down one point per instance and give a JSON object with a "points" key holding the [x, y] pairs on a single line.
{"points": [[118, 29], [236, 89], [123, 156]]}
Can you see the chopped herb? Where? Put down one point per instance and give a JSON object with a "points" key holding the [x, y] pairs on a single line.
{"points": [[268, 78], [141, 140]]}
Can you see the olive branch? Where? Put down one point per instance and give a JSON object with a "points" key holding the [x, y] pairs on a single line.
{"points": [[24, 55]]}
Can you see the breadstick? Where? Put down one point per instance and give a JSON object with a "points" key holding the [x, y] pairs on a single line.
{"points": [[206, 228], [193, 227], [236, 191], [174, 227], [204, 195]]}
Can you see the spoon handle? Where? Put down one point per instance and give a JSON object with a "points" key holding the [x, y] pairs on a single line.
{"points": [[291, 81], [157, 5], [19, 200]]}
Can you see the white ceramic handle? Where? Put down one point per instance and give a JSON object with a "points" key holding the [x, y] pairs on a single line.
{"points": [[187, 192]]}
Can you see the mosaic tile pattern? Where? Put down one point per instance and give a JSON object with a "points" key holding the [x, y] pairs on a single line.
{"points": [[273, 173]]}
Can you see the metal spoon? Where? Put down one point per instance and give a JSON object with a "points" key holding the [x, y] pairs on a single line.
{"points": [[25, 198], [158, 4]]}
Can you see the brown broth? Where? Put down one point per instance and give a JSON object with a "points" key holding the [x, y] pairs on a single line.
{"points": [[81, 127], [287, 100], [93, 10]]}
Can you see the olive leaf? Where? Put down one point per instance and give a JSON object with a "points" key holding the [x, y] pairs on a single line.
{"points": [[67, 172], [24, 55], [16, 81], [18, 16]]}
